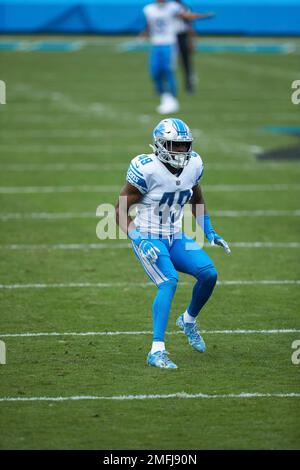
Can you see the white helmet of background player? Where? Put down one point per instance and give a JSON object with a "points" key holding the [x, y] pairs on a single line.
{"points": [[166, 137]]}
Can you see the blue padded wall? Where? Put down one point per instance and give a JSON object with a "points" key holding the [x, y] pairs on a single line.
{"points": [[265, 17]]}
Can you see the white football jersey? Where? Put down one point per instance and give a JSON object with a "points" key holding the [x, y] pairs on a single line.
{"points": [[160, 211], [161, 21]]}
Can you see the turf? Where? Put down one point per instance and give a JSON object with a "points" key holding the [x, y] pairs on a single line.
{"points": [[96, 107]]}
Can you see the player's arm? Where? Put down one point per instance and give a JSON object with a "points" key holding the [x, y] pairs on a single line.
{"points": [[199, 211], [145, 33], [190, 16], [130, 196]]}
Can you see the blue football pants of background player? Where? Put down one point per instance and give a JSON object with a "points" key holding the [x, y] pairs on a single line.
{"points": [[162, 68], [179, 254]]}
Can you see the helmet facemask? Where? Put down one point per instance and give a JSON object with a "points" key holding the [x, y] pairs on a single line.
{"points": [[176, 153]]}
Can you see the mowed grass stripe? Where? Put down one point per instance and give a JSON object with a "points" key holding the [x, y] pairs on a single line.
{"points": [[180, 395]]}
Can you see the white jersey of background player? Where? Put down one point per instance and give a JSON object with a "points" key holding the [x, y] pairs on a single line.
{"points": [[161, 21], [161, 28]]}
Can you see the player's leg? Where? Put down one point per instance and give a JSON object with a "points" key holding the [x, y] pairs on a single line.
{"points": [[169, 68], [156, 70], [184, 49], [165, 277], [188, 257], [169, 103]]}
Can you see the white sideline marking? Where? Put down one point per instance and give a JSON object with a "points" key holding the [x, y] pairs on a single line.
{"points": [[134, 333], [113, 189], [113, 246], [87, 215], [153, 397], [142, 284]]}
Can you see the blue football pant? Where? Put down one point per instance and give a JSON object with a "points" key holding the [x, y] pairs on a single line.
{"points": [[162, 69], [176, 256]]}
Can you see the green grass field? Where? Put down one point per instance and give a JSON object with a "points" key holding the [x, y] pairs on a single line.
{"points": [[71, 124]]}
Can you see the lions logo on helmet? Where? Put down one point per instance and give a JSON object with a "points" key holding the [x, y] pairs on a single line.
{"points": [[172, 142]]}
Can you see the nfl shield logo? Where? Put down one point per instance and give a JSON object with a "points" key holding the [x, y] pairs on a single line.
{"points": [[177, 182]]}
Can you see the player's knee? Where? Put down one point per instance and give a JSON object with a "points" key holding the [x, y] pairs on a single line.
{"points": [[169, 71], [170, 284], [208, 276], [155, 74]]}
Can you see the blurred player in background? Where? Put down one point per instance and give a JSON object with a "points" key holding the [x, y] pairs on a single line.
{"points": [[161, 184], [185, 42], [161, 28]]}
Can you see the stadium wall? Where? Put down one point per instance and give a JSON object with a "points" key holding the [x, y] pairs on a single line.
{"points": [[251, 17]]}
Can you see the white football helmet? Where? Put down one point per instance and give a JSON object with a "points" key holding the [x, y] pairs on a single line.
{"points": [[172, 142]]}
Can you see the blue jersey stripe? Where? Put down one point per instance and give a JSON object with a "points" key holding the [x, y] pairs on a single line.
{"points": [[136, 181], [131, 168], [140, 188], [199, 177], [136, 170]]}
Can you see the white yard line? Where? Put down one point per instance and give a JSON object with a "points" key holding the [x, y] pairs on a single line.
{"points": [[135, 333], [59, 189], [65, 167], [180, 395], [122, 166], [68, 149], [250, 68], [77, 133], [127, 285], [68, 104], [47, 215], [115, 246], [113, 189], [255, 213], [87, 215]]}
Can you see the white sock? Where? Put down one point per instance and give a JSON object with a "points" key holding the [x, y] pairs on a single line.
{"points": [[157, 346], [187, 318]]}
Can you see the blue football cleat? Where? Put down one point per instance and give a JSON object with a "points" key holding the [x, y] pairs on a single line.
{"points": [[192, 333], [160, 359]]}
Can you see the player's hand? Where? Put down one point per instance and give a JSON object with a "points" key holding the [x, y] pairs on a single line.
{"points": [[148, 251], [215, 239]]}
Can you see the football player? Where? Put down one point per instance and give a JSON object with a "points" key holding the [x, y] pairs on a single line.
{"points": [[160, 184], [161, 23]]}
